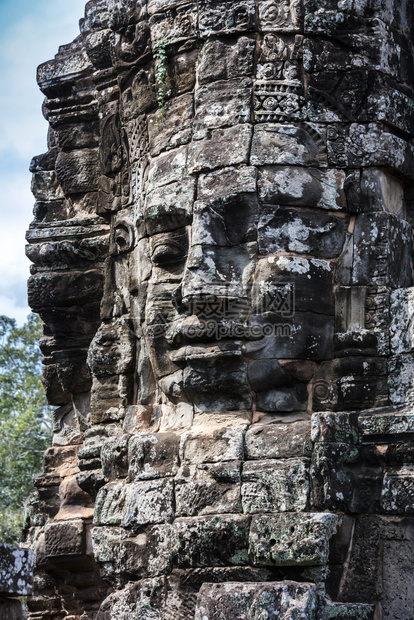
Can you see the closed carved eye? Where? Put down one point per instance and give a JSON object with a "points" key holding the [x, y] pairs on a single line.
{"points": [[168, 253], [169, 248]]}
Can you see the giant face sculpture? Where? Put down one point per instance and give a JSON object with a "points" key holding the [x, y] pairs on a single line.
{"points": [[228, 183], [239, 232]]}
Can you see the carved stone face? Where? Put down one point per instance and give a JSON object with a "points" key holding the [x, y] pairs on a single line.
{"points": [[228, 298], [221, 248], [237, 216], [243, 229]]}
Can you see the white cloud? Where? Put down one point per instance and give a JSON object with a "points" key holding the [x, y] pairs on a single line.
{"points": [[9, 308], [30, 33], [29, 40]]}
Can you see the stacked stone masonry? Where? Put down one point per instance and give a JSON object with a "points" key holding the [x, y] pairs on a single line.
{"points": [[16, 580], [222, 258]]}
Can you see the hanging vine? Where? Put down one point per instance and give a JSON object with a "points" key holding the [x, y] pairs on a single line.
{"points": [[160, 56]]}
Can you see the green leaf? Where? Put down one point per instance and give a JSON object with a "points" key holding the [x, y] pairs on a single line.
{"points": [[25, 420]]}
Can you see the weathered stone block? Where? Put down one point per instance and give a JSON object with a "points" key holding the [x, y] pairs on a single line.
{"points": [[227, 182], [278, 441], [136, 599], [357, 145], [382, 250], [168, 168], [335, 427], [347, 478], [223, 444], [211, 541], [65, 289], [114, 457], [208, 489], [264, 374], [381, 192], [169, 207], [10, 609], [130, 556], [281, 274], [302, 187], [214, 225], [102, 539], [73, 65], [109, 505], [232, 601], [158, 6], [227, 147], [275, 486], [394, 13], [397, 545], [285, 145], [292, 230], [228, 17], [351, 383], [398, 491], [78, 171], [223, 103], [184, 585], [153, 456], [45, 186], [401, 316], [343, 612], [210, 382], [176, 126], [66, 538], [160, 549], [148, 502], [362, 317], [387, 426], [173, 26], [305, 336], [291, 539], [78, 136], [16, 571], [401, 379], [378, 541], [224, 60], [275, 18]]}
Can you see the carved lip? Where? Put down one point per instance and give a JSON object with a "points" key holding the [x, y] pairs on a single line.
{"points": [[207, 351]]}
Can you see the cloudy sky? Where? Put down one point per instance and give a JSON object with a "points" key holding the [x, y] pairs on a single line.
{"points": [[30, 33]]}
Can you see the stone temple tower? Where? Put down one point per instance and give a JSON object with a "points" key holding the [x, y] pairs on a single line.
{"points": [[222, 258]]}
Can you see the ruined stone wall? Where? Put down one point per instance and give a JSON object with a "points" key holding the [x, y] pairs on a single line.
{"points": [[222, 257]]}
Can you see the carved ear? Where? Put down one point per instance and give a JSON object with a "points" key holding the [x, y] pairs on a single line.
{"points": [[122, 238], [132, 46]]}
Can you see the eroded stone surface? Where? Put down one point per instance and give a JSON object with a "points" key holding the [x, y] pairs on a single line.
{"points": [[221, 253], [230, 601], [16, 566]]}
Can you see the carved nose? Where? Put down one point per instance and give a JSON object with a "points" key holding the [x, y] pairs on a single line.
{"points": [[195, 258], [200, 276]]}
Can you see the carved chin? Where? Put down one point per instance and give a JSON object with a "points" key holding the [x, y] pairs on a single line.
{"points": [[217, 386]]}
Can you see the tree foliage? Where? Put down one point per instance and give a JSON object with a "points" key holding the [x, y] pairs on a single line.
{"points": [[25, 420]]}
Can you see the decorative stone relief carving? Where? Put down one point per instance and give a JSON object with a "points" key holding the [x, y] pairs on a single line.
{"points": [[226, 286]]}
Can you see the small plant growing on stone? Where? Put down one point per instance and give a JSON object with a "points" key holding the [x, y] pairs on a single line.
{"points": [[160, 56]]}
